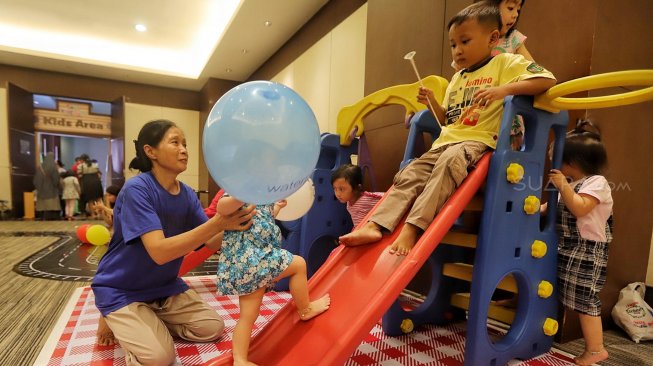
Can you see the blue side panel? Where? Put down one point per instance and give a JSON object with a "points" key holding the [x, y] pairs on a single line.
{"points": [[505, 239], [422, 122], [436, 308]]}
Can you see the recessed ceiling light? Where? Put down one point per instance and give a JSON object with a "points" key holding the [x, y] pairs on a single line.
{"points": [[140, 27], [268, 23], [182, 59], [228, 70], [36, 102], [245, 51]]}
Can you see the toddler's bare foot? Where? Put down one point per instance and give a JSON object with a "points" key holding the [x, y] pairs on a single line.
{"points": [[104, 334], [315, 308], [369, 233], [590, 358], [406, 240]]}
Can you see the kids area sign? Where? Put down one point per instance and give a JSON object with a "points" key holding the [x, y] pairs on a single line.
{"points": [[73, 118]]}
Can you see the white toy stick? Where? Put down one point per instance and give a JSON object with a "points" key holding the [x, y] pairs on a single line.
{"points": [[410, 57]]}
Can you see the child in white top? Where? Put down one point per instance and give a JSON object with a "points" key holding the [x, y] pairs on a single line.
{"points": [[70, 192], [585, 229]]}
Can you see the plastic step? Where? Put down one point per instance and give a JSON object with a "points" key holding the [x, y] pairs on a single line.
{"points": [[460, 239], [499, 313], [463, 271]]}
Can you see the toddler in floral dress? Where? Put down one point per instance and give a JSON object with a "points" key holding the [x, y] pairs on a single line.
{"points": [[250, 261]]}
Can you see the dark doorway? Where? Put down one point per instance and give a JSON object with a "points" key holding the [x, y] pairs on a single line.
{"points": [[22, 151]]}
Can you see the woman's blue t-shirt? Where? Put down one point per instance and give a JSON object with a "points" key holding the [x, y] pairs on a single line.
{"points": [[126, 272]]}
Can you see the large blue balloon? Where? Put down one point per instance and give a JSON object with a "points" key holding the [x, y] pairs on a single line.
{"points": [[261, 142]]}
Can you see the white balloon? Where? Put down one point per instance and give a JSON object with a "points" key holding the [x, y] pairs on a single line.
{"points": [[298, 203]]}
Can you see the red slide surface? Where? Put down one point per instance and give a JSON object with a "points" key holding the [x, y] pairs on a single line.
{"points": [[363, 282]]}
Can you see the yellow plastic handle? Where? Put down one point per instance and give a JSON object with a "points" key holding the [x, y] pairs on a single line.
{"points": [[554, 99]]}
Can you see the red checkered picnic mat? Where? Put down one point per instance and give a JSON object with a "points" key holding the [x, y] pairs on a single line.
{"points": [[429, 345]]}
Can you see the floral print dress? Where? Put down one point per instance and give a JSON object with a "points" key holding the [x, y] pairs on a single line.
{"points": [[253, 258]]}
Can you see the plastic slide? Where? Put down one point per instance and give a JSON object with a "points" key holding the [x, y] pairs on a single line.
{"points": [[363, 282]]}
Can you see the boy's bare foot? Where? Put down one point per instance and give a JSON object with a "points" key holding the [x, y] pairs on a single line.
{"points": [[590, 358], [104, 334], [369, 233], [315, 308], [406, 240]]}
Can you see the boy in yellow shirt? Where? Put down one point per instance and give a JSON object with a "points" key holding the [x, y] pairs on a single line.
{"points": [[472, 109]]}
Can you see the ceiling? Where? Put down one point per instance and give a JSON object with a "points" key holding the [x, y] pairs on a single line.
{"points": [[186, 42]]}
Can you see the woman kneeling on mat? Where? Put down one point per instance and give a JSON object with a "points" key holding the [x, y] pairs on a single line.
{"points": [[157, 220]]}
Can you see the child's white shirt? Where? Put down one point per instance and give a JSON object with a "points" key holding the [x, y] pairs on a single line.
{"points": [[592, 225]]}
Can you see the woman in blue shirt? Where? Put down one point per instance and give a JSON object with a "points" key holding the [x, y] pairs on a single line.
{"points": [[157, 220]]}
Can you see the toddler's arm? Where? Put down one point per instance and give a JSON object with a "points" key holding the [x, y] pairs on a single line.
{"points": [[524, 52], [579, 204], [227, 205], [278, 206]]}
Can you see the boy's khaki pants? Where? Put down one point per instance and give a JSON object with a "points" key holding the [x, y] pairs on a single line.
{"points": [[426, 184], [145, 330]]}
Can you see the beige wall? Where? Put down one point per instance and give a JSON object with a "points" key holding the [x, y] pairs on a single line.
{"points": [[136, 115], [331, 73], [5, 166]]}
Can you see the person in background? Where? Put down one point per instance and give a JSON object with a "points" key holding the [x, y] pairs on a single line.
{"points": [[89, 177], [78, 160], [60, 167], [47, 183], [70, 193], [62, 170], [104, 209]]}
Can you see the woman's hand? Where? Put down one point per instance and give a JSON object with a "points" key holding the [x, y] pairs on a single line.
{"points": [[238, 220]]}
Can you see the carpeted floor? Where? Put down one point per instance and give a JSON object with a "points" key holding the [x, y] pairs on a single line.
{"points": [[30, 307], [68, 259]]}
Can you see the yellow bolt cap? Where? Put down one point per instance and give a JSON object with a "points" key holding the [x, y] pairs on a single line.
{"points": [[531, 205], [407, 326], [538, 249], [550, 327], [514, 173], [544, 289]]}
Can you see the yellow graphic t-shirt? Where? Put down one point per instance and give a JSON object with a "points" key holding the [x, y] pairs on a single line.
{"points": [[466, 121]]}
